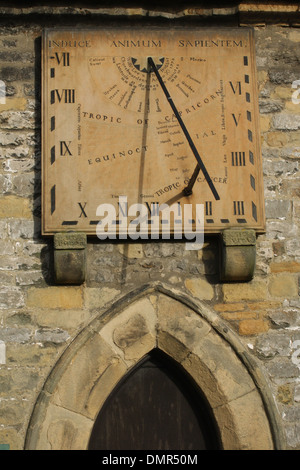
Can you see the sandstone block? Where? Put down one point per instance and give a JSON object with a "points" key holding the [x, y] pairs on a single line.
{"points": [[15, 104], [253, 326], [131, 251], [229, 307], [285, 266], [283, 285], [242, 315], [200, 288], [264, 123], [132, 333], [89, 395], [96, 298], [255, 290], [55, 297], [277, 139], [17, 207]]}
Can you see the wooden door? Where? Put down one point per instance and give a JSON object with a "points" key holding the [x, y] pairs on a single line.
{"points": [[156, 407]]}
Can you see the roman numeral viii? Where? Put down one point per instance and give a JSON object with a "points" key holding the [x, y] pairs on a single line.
{"points": [[62, 96]]}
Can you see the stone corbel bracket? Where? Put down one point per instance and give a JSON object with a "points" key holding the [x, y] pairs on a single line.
{"points": [[237, 254], [70, 257]]}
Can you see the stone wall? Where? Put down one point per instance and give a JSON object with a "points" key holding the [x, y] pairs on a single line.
{"points": [[38, 319]]}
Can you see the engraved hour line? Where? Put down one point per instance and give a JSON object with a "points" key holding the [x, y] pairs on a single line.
{"points": [[208, 208], [63, 58], [248, 98], [238, 158], [52, 199], [52, 153], [69, 222], [64, 150], [250, 138], [254, 211]]}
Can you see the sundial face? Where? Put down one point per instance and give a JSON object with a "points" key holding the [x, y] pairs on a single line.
{"points": [[109, 130]]}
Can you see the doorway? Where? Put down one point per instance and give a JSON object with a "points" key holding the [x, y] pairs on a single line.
{"points": [[118, 343], [155, 407]]}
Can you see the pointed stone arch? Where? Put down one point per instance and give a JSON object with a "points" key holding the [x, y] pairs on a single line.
{"points": [[114, 342]]}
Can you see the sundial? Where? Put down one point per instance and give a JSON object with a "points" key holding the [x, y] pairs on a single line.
{"points": [[150, 116]]}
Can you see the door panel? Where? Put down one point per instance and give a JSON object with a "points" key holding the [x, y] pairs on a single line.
{"points": [[155, 407]]}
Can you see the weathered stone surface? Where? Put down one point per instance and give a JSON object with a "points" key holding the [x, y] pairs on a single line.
{"points": [[39, 319], [134, 331], [15, 335], [11, 298], [56, 336], [70, 241], [55, 297], [62, 430], [289, 122], [131, 251], [252, 327], [96, 298], [278, 208], [283, 285], [285, 266], [200, 288], [70, 266], [12, 206], [105, 363], [284, 394], [254, 290]]}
